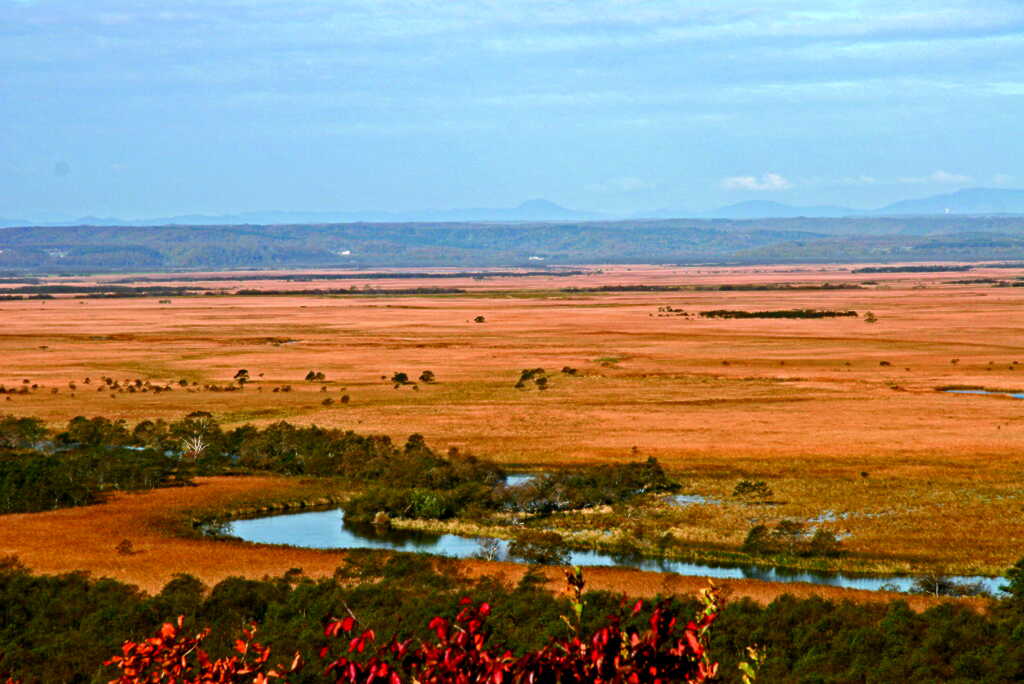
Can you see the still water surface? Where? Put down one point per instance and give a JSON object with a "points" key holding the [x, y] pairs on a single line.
{"points": [[1016, 395], [327, 530]]}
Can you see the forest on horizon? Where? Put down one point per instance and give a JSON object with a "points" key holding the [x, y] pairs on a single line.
{"points": [[75, 249]]}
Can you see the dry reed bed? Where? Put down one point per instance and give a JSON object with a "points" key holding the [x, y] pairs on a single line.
{"points": [[84, 539]]}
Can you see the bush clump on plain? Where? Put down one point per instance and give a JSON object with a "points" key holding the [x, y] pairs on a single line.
{"points": [[791, 538]]}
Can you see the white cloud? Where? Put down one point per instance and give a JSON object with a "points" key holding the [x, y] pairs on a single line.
{"points": [[767, 182], [1002, 179], [939, 177]]}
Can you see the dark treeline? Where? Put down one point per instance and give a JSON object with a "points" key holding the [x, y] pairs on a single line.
{"points": [[354, 291], [500, 246], [59, 629], [356, 275], [726, 287], [477, 496], [17, 298], [40, 470], [38, 473], [126, 291], [911, 269], [99, 291], [784, 313], [754, 287], [592, 486], [123, 290]]}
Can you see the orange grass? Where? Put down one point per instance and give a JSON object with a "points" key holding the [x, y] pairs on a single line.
{"points": [[804, 404]]}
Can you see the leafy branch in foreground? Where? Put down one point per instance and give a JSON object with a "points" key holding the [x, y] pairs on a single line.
{"points": [[666, 651]]}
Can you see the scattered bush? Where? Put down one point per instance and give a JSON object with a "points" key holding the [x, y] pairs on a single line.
{"points": [[752, 490], [789, 537], [536, 375], [591, 486], [539, 547], [940, 584]]}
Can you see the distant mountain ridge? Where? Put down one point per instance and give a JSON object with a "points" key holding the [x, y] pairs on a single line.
{"points": [[530, 210], [970, 201], [977, 201]]}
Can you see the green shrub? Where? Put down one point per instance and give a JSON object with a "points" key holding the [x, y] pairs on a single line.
{"points": [[540, 547], [790, 537], [753, 490]]}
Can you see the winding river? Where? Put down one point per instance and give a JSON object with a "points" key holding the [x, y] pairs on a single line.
{"points": [[328, 530]]}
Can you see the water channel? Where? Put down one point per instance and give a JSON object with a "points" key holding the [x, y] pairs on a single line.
{"points": [[328, 530], [1015, 395]]}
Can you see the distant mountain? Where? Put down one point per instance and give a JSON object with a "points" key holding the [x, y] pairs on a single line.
{"points": [[969, 201], [974, 201], [531, 210]]}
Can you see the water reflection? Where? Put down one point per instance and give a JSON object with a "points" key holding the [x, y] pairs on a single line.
{"points": [[328, 530]]}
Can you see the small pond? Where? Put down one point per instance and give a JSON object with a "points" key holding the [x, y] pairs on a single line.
{"points": [[519, 479], [683, 500], [327, 530]]}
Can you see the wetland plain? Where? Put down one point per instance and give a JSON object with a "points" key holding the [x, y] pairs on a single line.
{"points": [[842, 418]]}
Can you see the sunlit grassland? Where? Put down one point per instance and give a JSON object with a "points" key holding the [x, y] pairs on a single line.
{"points": [[805, 405]]}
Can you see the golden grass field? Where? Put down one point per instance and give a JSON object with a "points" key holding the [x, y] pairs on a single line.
{"points": [[919, 479]]}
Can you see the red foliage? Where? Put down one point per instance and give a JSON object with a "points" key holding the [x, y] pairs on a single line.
{"points": [[667, 651], [175, 658]]}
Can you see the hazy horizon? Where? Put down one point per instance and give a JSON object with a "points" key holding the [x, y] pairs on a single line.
{"points": [[120, 109]]}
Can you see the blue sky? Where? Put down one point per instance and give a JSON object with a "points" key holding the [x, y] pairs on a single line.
{"points": [[132, 108]]}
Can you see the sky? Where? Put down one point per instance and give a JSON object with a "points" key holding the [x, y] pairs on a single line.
{"points": [[135, 109]]}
